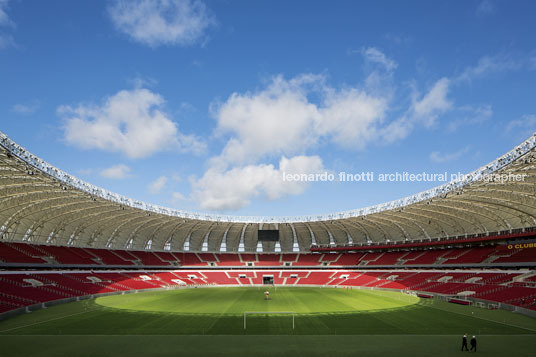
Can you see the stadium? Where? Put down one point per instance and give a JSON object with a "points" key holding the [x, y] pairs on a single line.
{"points": [[267, 178], [82, 261]]}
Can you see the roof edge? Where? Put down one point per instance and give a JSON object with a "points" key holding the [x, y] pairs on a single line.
{"points": [[476, 175]]}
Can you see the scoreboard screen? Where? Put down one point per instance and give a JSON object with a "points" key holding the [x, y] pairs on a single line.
{"points": [[268, 235]]}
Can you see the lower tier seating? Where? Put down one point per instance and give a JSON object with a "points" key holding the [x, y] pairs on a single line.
{"points": [[24, 288]]}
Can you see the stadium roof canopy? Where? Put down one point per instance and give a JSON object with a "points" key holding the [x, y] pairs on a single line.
{"points": [[42, 204]]}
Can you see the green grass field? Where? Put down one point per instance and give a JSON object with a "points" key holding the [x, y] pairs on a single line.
{"points": [[211, 322]]}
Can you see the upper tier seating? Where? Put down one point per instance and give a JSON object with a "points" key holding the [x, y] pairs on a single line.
{"points": [[517, 256], [232, 260], [289, 257], [268, 260], [149, 259], [109, 257], [429, 257], [348, 259], [66, 255], [387, 258], [207, 257], [190, 259], [308, 260], [9, 254], [471, 255], [167, 257], [30, 254]]}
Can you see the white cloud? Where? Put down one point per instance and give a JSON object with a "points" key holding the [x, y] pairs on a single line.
{"points": [[157, 185], [380, 68], [277, 120], [139, 82], [25, 109], [374, 55], [490, 64], [398, 38], [485, 8], [532, 62], [85, 172], [433, 103], [161, 22], [177, 197], [397, 130], [131, 122], [523, 127], [438, 157], [469, 115], [282, 119], [234, 188], [4, 18], [6, 40], [116, 172], [351, 117], [288, 117], [424, 110]]}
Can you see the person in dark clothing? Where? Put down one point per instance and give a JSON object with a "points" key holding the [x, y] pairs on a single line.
{"points": [[464, 343], [473, 343]]}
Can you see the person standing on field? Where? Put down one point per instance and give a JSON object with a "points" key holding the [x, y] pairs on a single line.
{"points": [[473, 343], [464, 343]]}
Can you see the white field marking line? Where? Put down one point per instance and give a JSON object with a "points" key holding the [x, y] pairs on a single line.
{"points": [[54, 319], [216, 320], [481, 318], [213, 323], [242, 336]]}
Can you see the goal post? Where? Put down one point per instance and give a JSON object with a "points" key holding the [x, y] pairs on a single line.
{"points": [[246, 313]]}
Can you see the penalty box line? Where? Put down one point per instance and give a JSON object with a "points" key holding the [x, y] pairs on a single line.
{"points": [[45, 321], [482, 318], [270, 313]]}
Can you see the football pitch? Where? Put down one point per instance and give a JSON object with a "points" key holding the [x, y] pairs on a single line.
{"points": [[201, 322]]}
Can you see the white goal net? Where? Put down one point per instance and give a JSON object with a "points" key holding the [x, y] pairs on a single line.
{"points": [[246, 313]]}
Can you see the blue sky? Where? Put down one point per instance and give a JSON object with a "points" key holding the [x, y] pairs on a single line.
{"points": [[203, 105]]}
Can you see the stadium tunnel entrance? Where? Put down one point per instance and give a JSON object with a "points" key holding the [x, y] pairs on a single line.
{"points": [[268, 280]]}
